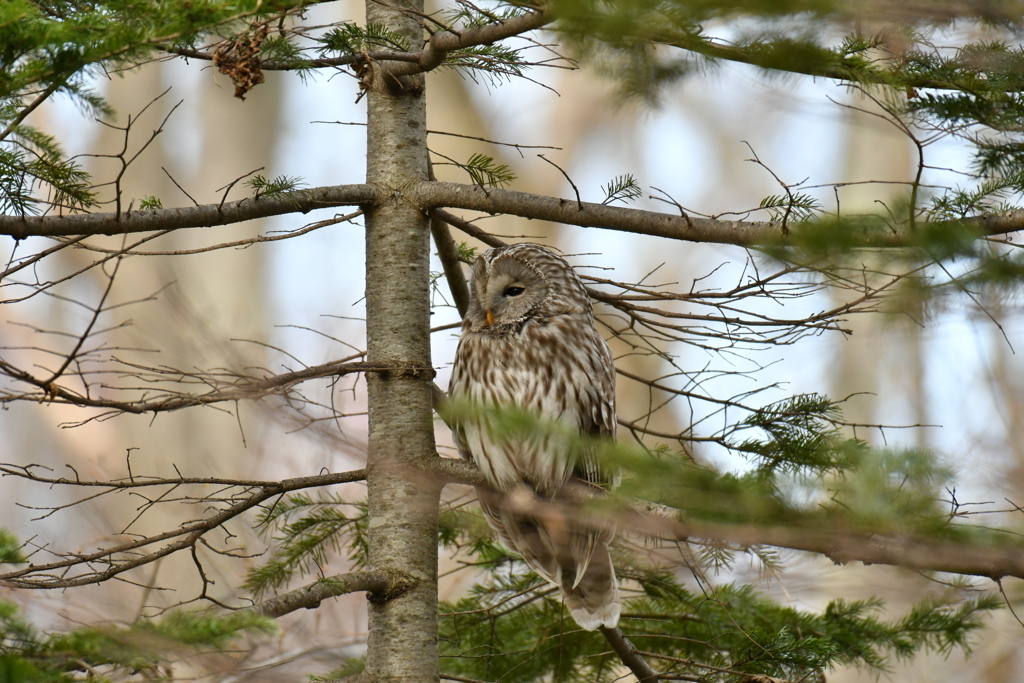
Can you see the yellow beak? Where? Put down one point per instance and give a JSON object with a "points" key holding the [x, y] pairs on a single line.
{"points": [[490, 317]]}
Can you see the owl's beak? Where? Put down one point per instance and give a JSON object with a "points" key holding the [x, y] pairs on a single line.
{"points": [[490, 317]]}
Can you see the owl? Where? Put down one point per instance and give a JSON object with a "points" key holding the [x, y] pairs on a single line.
{"points": [[529, 341]]}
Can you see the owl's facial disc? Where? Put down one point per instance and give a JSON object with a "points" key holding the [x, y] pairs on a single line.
{"points": [[511, 291]]}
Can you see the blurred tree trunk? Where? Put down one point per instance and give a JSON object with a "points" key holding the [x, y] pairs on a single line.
{"points": [[875, 151]]}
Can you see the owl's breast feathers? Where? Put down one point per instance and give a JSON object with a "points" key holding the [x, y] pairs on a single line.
{"points": [[557, 368]]}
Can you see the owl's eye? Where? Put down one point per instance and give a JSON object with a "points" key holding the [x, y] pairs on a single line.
{"points": [[513, 291]]}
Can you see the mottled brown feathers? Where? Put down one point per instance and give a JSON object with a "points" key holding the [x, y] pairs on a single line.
{"points": [[529, 341]]}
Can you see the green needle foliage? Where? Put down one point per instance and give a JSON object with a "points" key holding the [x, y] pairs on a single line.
{"points": [[623, 188], [110, 652], [485, 172], [352, 39], [307, 529], [513, 627], [10, 548], [275, 187]]}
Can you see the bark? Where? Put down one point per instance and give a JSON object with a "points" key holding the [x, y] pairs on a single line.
{"points": [[403, 508], [627, 652], [310, 596], [203, 216], [419, 195]]}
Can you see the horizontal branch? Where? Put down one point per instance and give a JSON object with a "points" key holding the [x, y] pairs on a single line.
{"points": [[409, 62], [303, 64], [431, 195], [839, 545], [143, 481], [386, 583], [823, 62], [127, 556], [434, 195], [203, 216], [239, 388]]}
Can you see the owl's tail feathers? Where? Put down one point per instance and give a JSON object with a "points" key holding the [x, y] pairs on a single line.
{"points": [[573, 558], [594, 600]]}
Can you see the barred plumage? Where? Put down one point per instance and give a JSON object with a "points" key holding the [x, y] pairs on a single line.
{"points": [[529, 340]]}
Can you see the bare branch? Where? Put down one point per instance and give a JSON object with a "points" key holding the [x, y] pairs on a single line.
{"points": [[448, 252], [386, 583], [686, 228], [627, 652], [207, 215], [126, 556], [433, 195], [239, 387]]}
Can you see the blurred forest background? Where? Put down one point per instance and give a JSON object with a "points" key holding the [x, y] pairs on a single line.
{"points": [[952, 368]]}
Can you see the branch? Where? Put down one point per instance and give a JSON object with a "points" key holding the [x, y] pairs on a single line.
{"points": [[124, 557], [384, 583], [431, 195], [448, 252], [204, 216], [242, 388], [417, 61], [142, 481], [32, 106], [772, 57], [836, 543], [443, 42], [302, 64], [629, 656], [468, 228]]}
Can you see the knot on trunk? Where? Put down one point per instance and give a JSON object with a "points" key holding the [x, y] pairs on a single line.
{"points": [[396, 584]]}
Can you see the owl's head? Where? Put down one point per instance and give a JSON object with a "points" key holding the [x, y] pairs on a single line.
{"points": [[512, 284], [504, 290]]}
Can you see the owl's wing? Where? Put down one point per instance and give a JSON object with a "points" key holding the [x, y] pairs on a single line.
{"points": [[597, 416]]}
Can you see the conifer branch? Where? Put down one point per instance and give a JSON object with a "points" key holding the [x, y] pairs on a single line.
{"points": [[638, 221], [627, 652], [107, 563], [31, 107], [240, 388], [381, 582], [410, 62], [433, 195], [838, 544], [204, 216], [304, 64], [443, 42]]}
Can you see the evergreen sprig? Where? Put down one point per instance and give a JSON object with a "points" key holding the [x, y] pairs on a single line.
{"points": [[496, 62], [276, 186], [623, 188], [791, 208], [10, 548], [351, 38], [307, 529], [485, 172]]}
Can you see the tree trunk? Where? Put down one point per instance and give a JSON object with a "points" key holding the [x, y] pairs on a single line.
{"points": [[402, 507]]}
